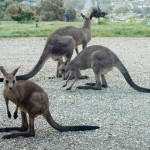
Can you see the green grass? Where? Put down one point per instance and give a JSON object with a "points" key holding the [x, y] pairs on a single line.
{"points": [[105, 29]]}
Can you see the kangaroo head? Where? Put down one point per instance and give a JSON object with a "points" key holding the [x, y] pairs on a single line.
{"points": [[70, 67], [87, 21], [62, 71], [9, 78]]}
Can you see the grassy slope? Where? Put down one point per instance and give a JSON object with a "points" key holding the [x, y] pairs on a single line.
{"points": [[105, 29]]}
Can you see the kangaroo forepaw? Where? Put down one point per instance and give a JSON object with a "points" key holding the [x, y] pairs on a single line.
{"points": [[9, 114], [89, 87], [68, 88], [90, 84], [64, 85], [15, 115]]}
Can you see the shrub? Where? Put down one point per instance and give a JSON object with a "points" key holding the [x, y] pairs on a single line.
{"points": [[19, 14], [72, 14]]}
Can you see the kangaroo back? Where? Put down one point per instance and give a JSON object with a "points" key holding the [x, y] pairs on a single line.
{"points": [[81, 35]]}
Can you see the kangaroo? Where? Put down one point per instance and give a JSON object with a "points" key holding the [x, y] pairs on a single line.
{"points": [[81, 35], [32, 100], [101, 59], [61, 44], [57, 47]]}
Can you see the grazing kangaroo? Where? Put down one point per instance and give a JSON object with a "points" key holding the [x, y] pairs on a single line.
{"points": [[57, 47], [61, 44], [81, 35], [101, 59], [32, 100]]}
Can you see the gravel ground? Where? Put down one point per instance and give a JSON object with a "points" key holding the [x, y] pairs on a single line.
{"points": [[121, 112]]}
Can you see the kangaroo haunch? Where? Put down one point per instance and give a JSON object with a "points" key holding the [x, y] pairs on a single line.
{"points": [[31, 99], [101, 59]]}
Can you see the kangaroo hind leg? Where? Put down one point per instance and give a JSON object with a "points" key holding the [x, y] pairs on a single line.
{"points": [[104, 82], [97, 85], [23, 127], [93, 86], [29, 133]]}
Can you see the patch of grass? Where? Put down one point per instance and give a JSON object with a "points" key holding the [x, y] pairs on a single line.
{"points": [[121, 29], [104, 29]]}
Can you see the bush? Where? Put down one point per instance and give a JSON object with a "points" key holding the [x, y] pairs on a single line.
{"points": [[72, 14], [47, 16], [51, 10], [19, 14]]}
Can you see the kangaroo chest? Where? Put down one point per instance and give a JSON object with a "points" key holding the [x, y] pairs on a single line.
{"points": [[11, 96]]}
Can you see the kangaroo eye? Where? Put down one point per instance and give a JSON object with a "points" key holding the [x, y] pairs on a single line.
{"points": [[6, 81]]}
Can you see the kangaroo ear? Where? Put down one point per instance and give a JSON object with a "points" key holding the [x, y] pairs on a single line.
{"points": [[3, 71], [83, 16], [15, 71]]}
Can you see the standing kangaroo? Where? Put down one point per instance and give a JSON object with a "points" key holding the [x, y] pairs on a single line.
{"points": [[81, 35], [31, 99], [101, 59], [61, 44], [57, 47]]}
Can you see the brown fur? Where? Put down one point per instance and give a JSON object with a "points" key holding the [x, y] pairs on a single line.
{"points": [[61, 44], [81, 35], [57, 47], [32, 100], [101, 59]]}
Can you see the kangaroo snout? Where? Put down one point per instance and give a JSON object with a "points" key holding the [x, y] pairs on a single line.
{"points": [[10, 88]]}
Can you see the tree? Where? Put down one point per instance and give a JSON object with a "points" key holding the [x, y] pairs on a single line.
{"points": [[137, 10], [19, 13], [122, 9], [146, 10], [52, 10], [70, 14], [97, 13], [3, 6]]}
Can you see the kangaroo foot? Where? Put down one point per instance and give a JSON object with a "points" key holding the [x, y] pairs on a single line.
{"points": [[12, 129], [83, 77], [88, 87], [91, 84], [15, 135], [104, 86]]}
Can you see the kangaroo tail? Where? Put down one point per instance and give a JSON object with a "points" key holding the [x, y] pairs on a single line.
{"points": [[60, 128], [35, 69], [127, 77]]}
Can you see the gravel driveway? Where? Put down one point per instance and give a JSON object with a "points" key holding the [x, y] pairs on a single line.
{"points": [[122, 113]]}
